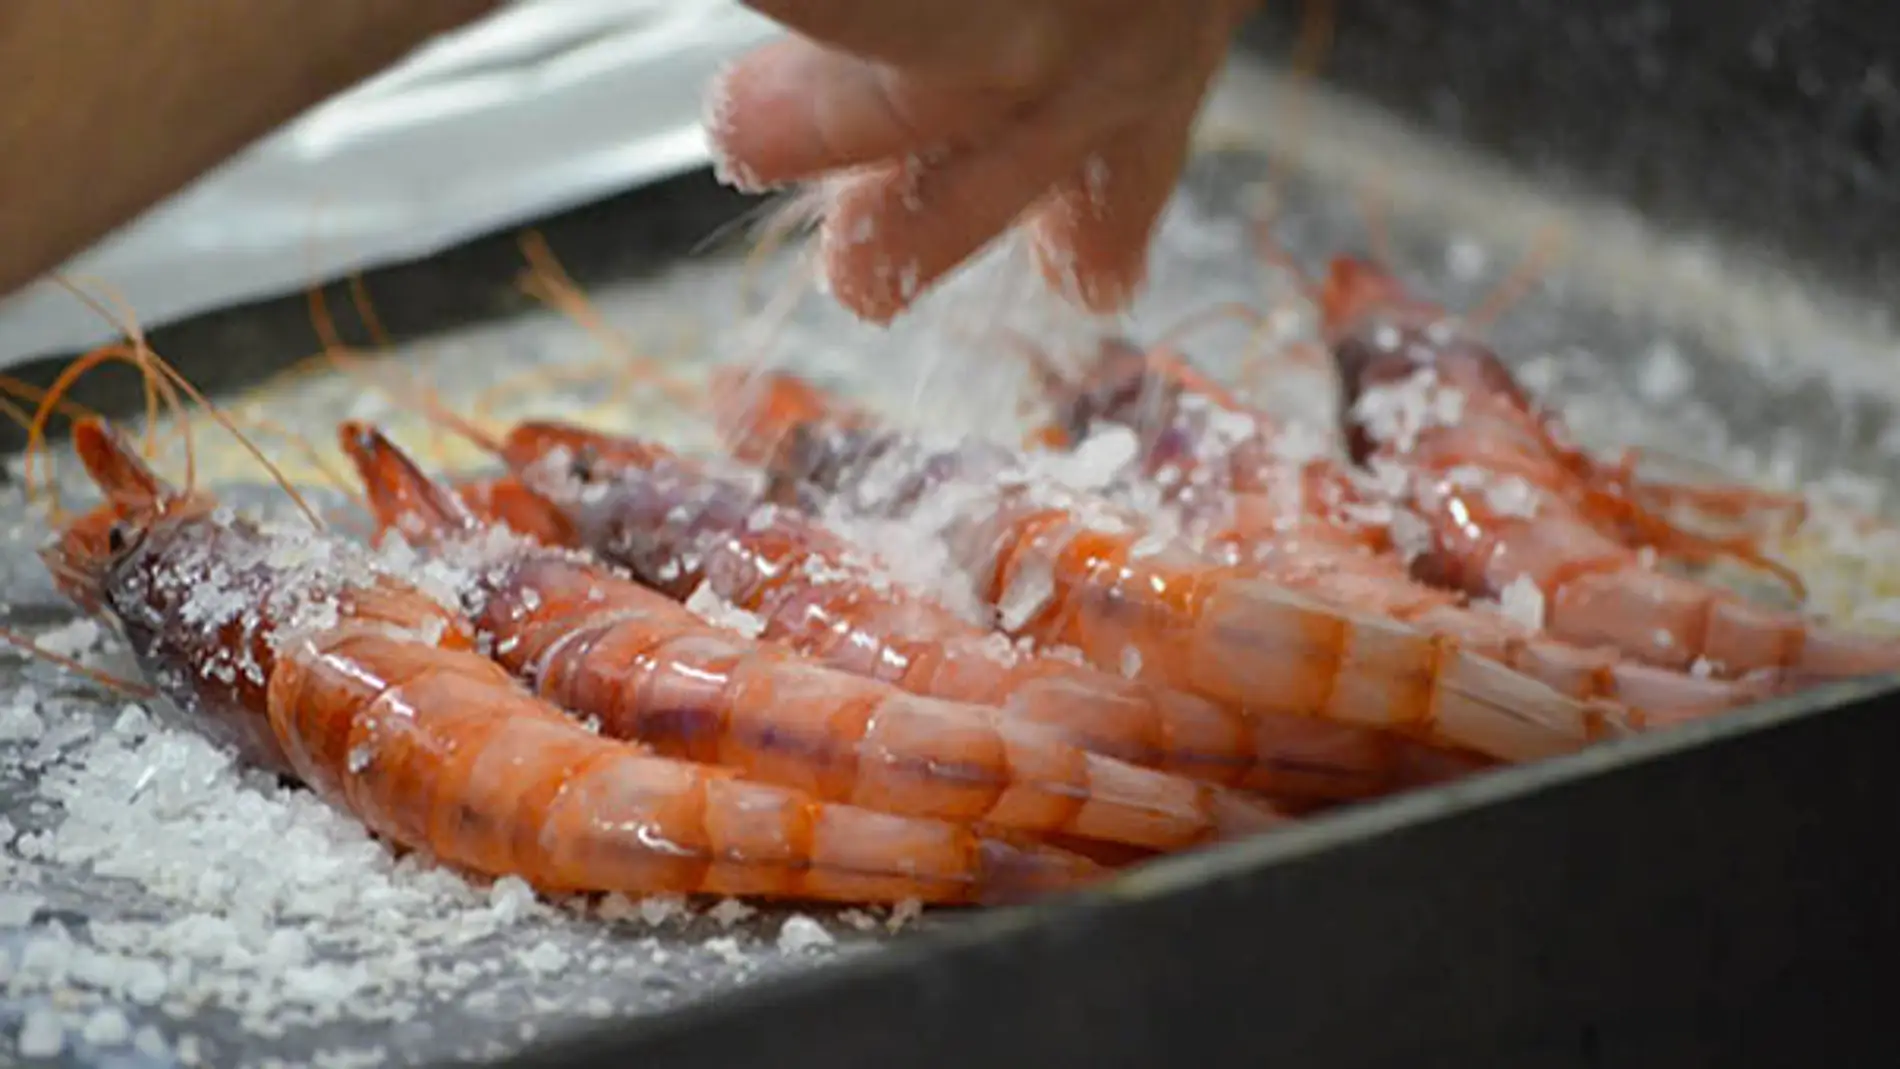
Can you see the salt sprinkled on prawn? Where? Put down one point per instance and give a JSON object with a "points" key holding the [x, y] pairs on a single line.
{"points": [[1070, 569], [1317, 539], [368, 691], [1401, 360], [601, 645], [693, 533]]}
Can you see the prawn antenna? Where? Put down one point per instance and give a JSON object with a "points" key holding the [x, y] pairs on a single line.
{"points": [[547, 281], [106, 679], [1545, 246], [345, 359], [1314, 44], [157, 370]]}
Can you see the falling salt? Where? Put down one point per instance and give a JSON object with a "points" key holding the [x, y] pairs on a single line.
{"points": [[800, 933]]}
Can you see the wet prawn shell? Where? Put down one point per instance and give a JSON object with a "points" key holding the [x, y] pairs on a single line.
{"points": [[441, 750], [206, 610]]}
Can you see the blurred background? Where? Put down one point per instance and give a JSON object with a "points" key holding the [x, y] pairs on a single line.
{"points": [[543, 106]]}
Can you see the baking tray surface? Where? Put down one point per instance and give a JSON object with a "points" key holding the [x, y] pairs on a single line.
{"points": [[162, 907]]}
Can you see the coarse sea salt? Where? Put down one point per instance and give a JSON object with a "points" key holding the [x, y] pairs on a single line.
{"points": [[800, 933], [42, 1034], [1523, 602], [332, 928], [706, 603]]}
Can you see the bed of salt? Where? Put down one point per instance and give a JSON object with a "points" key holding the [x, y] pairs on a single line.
{"points": [[162, 906]]}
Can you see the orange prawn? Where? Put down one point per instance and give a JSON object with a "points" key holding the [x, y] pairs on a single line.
{"points": [[503, 500], [1326, 537], [1068, 570], [1428, 401], [297, 650], [677, 525], [649, 669]]}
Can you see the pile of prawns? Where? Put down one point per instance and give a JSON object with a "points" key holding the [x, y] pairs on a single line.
{"points": [[1310, 628]]}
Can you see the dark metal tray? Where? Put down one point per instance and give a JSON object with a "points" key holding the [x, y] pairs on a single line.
{"points": [[1713, 896]]}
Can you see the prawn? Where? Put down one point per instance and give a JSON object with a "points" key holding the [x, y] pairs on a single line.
{"points": [[649, 669], [1433, 405], [1315, 538], [505, 501], [1067, 569], [677, 526], [311, 661]]}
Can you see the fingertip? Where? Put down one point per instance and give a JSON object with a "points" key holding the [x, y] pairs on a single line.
{"points": [[1094, 238], [718, 120], [1102, 273], [864, 266]]}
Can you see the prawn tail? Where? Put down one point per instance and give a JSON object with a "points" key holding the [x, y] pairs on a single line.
{"points": [[1258, 642], [857, 854]]}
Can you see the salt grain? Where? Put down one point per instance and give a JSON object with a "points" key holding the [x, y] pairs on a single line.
{"points": [[1029, 590], [1664, 376], [800, 933], [149, 1041], [657, 910], [706, 603], [1523, 602], [730, 911], [20, 720], [904, 913], [42, 1034], [1130, 662], [727, 949], [107, 1027], [18, 907]]}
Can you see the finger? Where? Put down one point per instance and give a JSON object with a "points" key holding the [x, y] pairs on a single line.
{"points": [[793, 110], [1002, 42], [891, 235], [1092, 239]]}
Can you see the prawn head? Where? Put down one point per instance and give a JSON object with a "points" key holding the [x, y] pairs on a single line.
{"points": [[83, 555]]}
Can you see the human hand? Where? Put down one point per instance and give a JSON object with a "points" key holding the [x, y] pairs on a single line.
{"points": [[943, 123]]}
